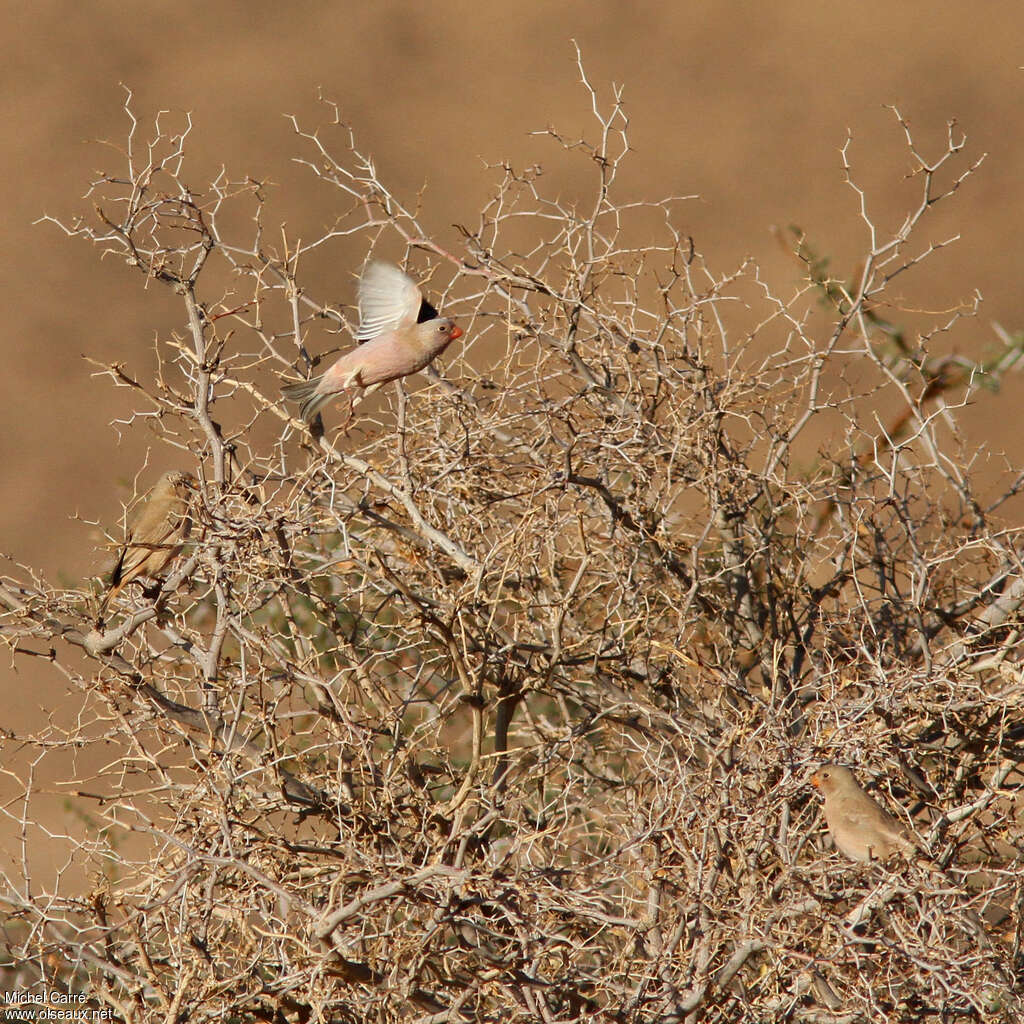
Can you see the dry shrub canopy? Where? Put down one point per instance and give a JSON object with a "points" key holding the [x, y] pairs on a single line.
{"points": [[502, 705]]}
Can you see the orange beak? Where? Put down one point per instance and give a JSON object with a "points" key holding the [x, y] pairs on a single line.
{"points": [[457, 333], [816, 782]]}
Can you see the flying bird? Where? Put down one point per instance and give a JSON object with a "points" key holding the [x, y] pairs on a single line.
{"points": [[861, 828], [401, 333], [156, 533]]}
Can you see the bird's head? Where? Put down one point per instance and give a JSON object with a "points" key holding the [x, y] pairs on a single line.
{"points": [[182, 481], [829, 777], [442, 332]]}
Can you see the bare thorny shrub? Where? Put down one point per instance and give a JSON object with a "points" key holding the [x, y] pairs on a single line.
{"points": [[502, 705]]}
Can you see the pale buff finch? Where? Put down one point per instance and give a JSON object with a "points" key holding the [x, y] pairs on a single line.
{"points": [[861, 828], [156, 533]]}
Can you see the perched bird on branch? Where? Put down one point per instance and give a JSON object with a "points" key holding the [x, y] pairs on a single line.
{"points": [[401, 334], [156, 533], [861, 828], [864, 831]]}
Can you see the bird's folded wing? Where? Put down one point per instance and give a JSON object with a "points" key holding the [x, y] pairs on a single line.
{"points": [[149, 535]]}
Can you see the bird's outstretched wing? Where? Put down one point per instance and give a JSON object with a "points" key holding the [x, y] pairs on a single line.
{"points": [[388, 299]]}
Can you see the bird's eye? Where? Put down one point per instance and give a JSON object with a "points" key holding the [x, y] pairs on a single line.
{"points": [[442, 328]]}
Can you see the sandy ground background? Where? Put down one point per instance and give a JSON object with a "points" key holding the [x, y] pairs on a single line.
{"points": [[744, 104]]}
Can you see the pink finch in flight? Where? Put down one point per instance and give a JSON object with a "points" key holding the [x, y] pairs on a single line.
{"points": [[394, 344]]}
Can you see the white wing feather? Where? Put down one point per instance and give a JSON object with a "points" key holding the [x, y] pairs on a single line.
{"points": [[388, 299]]}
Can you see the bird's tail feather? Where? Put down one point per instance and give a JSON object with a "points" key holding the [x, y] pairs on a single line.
{"points": [[308, 394], [107, 598]]}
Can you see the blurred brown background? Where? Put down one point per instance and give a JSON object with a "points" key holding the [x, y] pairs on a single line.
{"points": [[744, 104]]}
